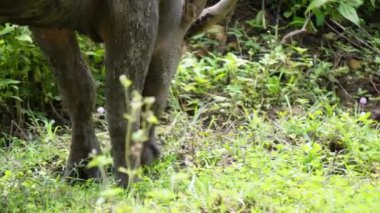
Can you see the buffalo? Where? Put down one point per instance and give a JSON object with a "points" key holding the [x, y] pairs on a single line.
{"points": [[143, 40]]}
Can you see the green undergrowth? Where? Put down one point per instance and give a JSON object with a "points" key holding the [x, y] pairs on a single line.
{"points": [[314, 161], [262, 134]]}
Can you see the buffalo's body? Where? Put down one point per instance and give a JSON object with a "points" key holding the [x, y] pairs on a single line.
{"points": [[143, 40]]}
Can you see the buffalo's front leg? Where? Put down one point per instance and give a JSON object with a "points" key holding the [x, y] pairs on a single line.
{"points": [[78, 92], [129, 45]]}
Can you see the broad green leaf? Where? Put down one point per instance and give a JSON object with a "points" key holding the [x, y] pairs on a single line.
{"points": [[7, 29], [260, 18], [6, 82], [373, 3], [297, 21], [315, 4], [354, 3], [320, 17], [24, 37], [348, 12]]}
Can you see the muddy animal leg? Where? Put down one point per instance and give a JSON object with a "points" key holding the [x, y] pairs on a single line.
{"points": [[78, 92]]}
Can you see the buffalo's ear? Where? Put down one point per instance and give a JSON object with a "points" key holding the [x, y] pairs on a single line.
{"points": [[211, 15]]}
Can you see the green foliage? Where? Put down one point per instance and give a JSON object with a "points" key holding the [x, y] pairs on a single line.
{"points": [[259, 165], [345, 8], [299, 11], [266, 80], [26, 79], [24, 75]]}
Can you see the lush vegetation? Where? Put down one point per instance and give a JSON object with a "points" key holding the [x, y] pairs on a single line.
{"points": [[261, 127]]}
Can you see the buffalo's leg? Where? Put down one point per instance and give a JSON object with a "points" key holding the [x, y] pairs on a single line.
{"points": [[175, 19], [129, 47], [77, 89], [161, 71]]}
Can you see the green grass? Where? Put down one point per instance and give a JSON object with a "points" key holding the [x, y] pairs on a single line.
{"points": [[265, 134], [258, 165]]}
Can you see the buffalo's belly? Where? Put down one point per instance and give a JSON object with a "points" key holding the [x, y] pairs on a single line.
{"points": [[40, 12]]}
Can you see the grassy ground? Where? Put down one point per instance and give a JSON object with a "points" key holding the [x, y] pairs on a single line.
{"points": [[262, 134]]}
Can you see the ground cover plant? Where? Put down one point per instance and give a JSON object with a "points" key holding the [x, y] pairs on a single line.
{"points": [[259, 127]]}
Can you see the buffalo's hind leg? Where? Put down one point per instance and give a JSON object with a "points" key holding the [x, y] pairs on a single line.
{"points": [[77, 89], [161, 71], [165, 59], [174, 22]]}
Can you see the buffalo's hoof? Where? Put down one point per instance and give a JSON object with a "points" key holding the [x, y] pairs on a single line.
{"points": [[80, 173], [150, 153]]}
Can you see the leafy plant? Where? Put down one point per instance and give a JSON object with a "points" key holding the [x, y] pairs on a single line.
{"points": [[344, 8], [300, 11], [25, 78]]}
